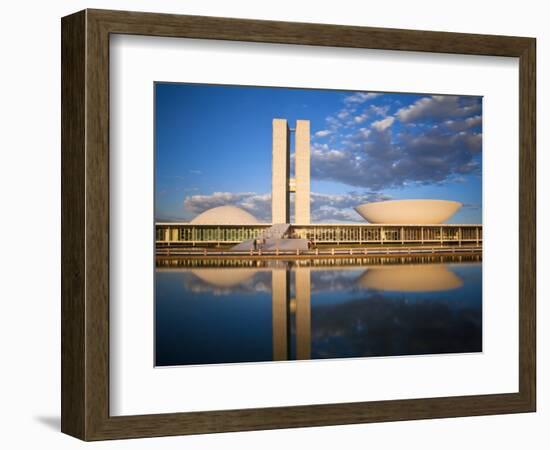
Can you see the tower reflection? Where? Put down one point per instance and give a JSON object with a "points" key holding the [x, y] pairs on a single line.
{"points": [[284, 307], [288, 311], [280, 299], [319, 309], [303, 313]]}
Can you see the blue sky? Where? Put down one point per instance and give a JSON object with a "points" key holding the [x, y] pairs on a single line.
{"points": [[213, 147]]}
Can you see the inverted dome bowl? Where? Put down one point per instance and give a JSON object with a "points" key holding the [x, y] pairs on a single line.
{"points": [[413, 212]]}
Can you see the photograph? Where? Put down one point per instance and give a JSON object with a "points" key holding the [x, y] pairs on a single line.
{"points": [[309, 224], [263, 225]]}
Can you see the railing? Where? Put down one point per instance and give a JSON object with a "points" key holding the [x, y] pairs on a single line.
{"points": [[169, 263], [334, 251]]}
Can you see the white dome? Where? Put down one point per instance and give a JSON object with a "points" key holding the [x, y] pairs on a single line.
{"points": [[408, 211], [225, 215]]}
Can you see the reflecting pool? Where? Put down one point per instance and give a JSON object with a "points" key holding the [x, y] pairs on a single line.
{"points": [[231, 311]]}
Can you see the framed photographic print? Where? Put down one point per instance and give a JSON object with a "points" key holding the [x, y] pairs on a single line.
{"points": [[267, 224]]}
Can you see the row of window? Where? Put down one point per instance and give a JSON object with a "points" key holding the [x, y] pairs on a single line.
{"points": [[360, 234], [323, 234], [195, 234]]}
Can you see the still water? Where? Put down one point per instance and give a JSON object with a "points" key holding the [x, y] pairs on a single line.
{"points": [[229, 311]]}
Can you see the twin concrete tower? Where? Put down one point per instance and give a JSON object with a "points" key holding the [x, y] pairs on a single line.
{"points": [[282, 185]]}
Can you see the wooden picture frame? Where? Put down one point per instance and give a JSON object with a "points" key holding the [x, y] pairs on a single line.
{"points": [[85, 224]]}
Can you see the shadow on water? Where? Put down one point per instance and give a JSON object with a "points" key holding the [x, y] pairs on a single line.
{"points": [[228, 311]]}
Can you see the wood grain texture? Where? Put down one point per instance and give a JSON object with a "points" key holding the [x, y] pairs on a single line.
{"points": [[97, 225], [85, 224], [152, 24], [527, 224], [73, 111]]}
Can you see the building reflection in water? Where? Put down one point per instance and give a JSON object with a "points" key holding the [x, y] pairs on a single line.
{"points": [[399, 278], [411, 278], [280, 303], [353, 316], [224, 278], [284, 306]]}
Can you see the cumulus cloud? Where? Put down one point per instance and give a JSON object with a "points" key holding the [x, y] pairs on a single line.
{"points": [[333, 123], [441, 140], [463, 124], [362, 133], [324, 207], [361, 118], [360, 97], [339, 207], [323, 133], [342, 114], [257, 204], [379, 159], [437, 107], [382, 124], [380, 110], [353, 112], [372, 110]]}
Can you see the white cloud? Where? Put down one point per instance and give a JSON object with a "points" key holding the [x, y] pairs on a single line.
{"points": [[342, 114], [380, 110], [323, 133], [339, 207], [257, 204], [459, 125], [360, 118], [319, 146], [323, 153], [333, 122], [363, 133], [382, 124], [473, 121], [438, 107], [324, 207], [377, 158], [360, 97]]}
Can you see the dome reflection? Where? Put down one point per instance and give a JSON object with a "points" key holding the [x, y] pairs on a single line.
{"points": [[411, 278], [224, 278]]}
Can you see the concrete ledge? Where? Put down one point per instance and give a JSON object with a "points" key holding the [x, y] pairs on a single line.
{"points": [[319, 253]]}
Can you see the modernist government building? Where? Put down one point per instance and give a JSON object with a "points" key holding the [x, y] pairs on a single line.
{"points": [[398, 222]]}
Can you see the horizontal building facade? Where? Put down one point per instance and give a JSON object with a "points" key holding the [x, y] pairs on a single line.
{"points": [[321, 234]]}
